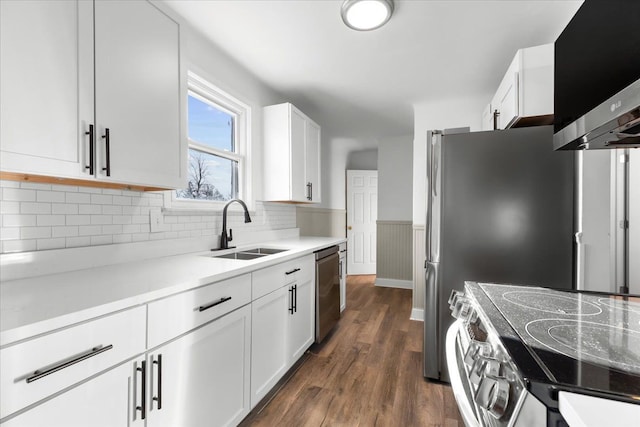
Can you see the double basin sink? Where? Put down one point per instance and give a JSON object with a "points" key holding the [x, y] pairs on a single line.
{"points": [[249, 254]]}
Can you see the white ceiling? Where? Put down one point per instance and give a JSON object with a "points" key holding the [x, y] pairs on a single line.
{"points": [[364, 84]]}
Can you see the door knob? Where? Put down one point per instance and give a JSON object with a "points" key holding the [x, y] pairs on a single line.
{"points": [[349, 228]]}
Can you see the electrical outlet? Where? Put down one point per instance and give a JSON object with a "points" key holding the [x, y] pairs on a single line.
{"points": [[156, 220]]}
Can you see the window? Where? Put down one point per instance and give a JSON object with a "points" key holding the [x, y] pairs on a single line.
{"points": [[217, 126]]}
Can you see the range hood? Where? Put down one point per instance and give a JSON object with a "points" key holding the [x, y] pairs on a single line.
{"points": [[597, 78], [613, 124]]}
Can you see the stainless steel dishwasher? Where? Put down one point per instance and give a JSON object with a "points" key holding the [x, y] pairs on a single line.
{"points": [[327, 291]]}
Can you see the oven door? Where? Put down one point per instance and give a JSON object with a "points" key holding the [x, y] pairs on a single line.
{"points": [[458, 376]]}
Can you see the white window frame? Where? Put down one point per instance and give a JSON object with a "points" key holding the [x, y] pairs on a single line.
{"points": [[207, 92]]}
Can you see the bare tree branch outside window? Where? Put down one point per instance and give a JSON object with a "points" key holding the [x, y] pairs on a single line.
{"points": [[198, 187]]}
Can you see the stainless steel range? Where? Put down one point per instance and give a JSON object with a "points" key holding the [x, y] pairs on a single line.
{"points": [[514, 351]]}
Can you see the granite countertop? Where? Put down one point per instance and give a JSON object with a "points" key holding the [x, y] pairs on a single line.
{"points": [[37, 305]]}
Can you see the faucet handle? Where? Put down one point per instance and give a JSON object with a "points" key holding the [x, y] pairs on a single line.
{"points": [[230, 238]]}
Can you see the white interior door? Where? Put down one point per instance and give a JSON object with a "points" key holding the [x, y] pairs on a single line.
{"points": [[362, 213]]}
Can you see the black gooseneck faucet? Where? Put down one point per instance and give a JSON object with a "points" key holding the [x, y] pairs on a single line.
{"points": [[224, 239]]}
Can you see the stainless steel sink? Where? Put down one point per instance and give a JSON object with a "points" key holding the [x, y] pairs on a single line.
{"points": [[241, 255], [249, 254], [264, 251]]}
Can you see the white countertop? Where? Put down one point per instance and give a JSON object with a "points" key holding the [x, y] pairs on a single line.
{"points": [[41, 304]]}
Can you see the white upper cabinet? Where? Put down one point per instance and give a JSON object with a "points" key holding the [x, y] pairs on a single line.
{"points": [[312, 158], [46, 87], [292, 155], [52, 96], [525, 94], [137, 78]]}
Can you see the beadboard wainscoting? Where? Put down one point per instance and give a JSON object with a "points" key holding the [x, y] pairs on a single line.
{"points": [[394, 258], [321, 222], [417, 309], [36, 217]]}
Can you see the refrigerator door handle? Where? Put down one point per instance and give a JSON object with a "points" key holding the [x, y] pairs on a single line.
{"points": [[431, 323]]}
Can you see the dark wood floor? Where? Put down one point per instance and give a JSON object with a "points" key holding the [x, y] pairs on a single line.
{"points": [[368, 372]]}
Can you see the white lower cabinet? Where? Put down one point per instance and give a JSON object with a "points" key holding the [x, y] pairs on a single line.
{"points": [[283, 322], [268, 342], [301, 320], [202, 378], [104, 401]]}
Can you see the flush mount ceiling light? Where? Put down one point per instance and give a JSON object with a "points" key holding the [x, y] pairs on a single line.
{"points": [[365, 15]]}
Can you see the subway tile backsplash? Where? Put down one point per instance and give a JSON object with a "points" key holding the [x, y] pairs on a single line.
{"points": [[37, 217]]}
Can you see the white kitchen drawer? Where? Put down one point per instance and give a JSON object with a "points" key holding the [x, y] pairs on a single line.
{"points": [[269, 279], [307, 266], [120, 336], [175, 315]]}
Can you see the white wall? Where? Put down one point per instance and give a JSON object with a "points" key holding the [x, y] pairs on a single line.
{"points": [[596, 192], [338, 155], [395, 178], [441, 114]]}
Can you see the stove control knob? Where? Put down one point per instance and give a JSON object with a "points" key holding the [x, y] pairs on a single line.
{"points": [[483, 367], [454, 297], [493, 395], [475, 350], [462, 309]]}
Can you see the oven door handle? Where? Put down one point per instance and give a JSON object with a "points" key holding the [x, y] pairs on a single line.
{"points": [[464, 405]]}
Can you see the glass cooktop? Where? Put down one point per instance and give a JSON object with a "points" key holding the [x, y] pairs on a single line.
{"points": [[580, 339]]}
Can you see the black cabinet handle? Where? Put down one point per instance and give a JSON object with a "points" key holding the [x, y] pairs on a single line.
{"points": [[158, 398], [496, 114], [143, 404], [291, 300], [65, 364], [91, 145], [213, 304], [295, 298], [107, 151], [309, 191], [292, 271]]}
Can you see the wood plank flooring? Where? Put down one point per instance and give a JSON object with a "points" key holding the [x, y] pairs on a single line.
{"points": [[368, 372]]}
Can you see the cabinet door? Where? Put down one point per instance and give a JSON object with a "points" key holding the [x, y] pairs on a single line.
{"points": [[487, 118], [312, 161], [204, 376], [101, 402], [46, 86], [508, 100], [268, 342], [138, 95], [297, 141], [301, 328]]}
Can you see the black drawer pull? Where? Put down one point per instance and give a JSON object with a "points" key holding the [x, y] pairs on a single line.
{"points": [[213, 304], [292, 271], [86, 355]]}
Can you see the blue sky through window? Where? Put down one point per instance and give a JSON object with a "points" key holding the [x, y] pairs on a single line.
{"points": [[210, 126]]}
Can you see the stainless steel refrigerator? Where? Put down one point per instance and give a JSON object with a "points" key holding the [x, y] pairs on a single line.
{"points": [[499, 209]]}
